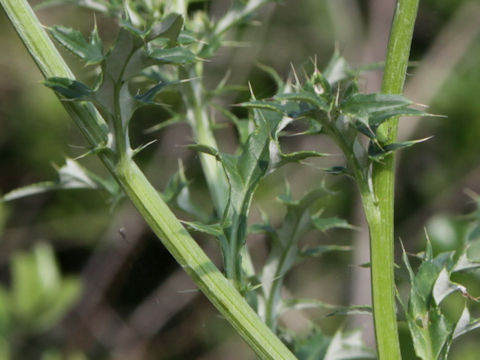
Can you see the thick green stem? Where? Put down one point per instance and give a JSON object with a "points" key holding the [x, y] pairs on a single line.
{"points": [[382, 232], [146, 199]]}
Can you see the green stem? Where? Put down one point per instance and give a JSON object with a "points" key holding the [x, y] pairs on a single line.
{"points": [[146, 199], [199, 121], [382, 232]]}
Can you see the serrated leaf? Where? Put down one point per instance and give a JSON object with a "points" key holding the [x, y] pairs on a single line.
{"points": [[297, 157], [176, 56], [148, 96], [69, 88], [325, 224], [377, 153], [90, 51], [373, 103], [376, 119], [127, 25], [215, 230], [168, 28], [306, 97]]}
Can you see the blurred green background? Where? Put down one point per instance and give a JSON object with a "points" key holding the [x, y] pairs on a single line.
{"points": [[118, 292]]}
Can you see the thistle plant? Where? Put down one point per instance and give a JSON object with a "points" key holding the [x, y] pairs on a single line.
{"points": [[162, 47]]}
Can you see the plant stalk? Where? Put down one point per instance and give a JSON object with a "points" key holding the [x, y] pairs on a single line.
{"points": [[145, 198], [383, 177]]}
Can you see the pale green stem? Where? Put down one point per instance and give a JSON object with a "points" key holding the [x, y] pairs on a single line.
{"points": [[146, 199], [200, 123], [382, 232]]}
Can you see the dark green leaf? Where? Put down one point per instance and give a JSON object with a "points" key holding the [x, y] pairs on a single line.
{"points": [[373, 103], [69, 88], [177, 56], [377, 153], [296, 157], [307, 97], [168, 28], [148, 97], [90, 51]]}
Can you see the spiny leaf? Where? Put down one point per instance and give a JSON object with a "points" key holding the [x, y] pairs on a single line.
{"points": [[297, 157], [90, 51], [376, 119], [377, 153], [307, 97], [373, 103], [148, 97], [215, 230], [177, 55], [127, 25], [325, 224], [168, 28], [69, 88]]}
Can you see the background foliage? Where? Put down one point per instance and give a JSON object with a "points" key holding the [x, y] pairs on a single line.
{"points": [[134, 302]]}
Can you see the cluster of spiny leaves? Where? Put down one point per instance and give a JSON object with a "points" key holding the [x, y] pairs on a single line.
{"points": [[133, 52], [431, 329], [334, 106], [156, 51]]}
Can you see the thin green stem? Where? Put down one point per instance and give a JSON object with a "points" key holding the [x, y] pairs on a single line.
{"points": [[199, 121], [146, 199], [383, 177]]}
